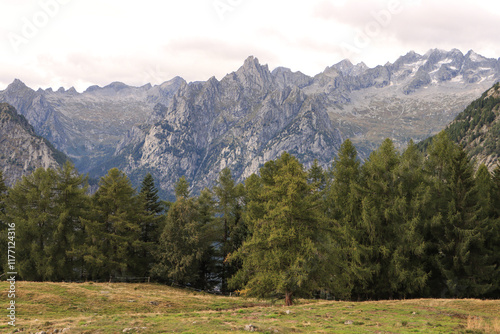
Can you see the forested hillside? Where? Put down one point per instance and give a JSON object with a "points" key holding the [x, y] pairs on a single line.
{"points": [[400, 225], [477, 128]]}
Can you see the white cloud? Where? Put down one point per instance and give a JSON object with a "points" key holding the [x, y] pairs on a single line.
{"points": [[90, 42]]}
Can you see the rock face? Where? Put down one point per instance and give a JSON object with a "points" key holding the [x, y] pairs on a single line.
{"points": [[21, 150], [88, 126], [239, 122], [252, 115]]}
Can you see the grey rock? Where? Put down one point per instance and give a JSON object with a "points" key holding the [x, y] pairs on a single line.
{"points": [[21, 150], [252, 115], [250, 328]]}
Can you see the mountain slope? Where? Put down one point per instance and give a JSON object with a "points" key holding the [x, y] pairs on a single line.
{"points": [[87, 126], [21, 150], [253, 114], [477, 128], [240, 122]]}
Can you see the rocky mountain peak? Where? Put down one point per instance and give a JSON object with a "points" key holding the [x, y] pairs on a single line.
{"points": [[254, 74], [344, 66], [116, 85], [284, 77], [16, 85]]}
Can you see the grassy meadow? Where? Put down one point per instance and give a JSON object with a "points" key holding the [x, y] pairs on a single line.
{"points": [[153, 308]]}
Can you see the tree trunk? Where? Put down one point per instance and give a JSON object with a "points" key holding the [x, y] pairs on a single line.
{"points": [[288, 299]]}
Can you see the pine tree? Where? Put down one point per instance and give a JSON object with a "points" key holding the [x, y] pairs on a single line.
{"points": [[151, 224], [391, 194], [3, 194], [231, 225], [485, 191], [113, 232], [182, 188], [30, 208], [183, 243], [210, 259], [317, 176], [493, 237], [284, 254], [343, 208], [70, 205], [3, 224], [378, 189], [463, 263], [409, 213]]}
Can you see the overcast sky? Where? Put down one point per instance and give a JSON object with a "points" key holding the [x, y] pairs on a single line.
{"points": [[54, 43]]}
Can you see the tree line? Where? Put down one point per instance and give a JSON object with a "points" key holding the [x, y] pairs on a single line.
{"points": [[401, 225]]}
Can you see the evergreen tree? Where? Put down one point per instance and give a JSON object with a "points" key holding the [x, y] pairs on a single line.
{"points": [[485, 192], [150, 193], [455, 234], [71, 204], [231, 225], [463, 263], [493, 237], [30, 207], [182, 188], [183, 243], [317, 176], [114, 244], [3, 194], [284, 254], [4, 235], [210, 259], [376, 220], [409, 210], [343, 208], [496, 192], [151, 224], [391, 223]]}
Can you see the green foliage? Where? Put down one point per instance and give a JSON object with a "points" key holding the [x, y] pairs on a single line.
{"points": [[477, 128], [46, 208], [401, 225], [183, 242], [182, 188], [113, 246], [230, 225], [151, 223], [285, 253], [3, 223]]}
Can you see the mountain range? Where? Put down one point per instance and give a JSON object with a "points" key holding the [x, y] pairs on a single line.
{"points": [[253, 114]]}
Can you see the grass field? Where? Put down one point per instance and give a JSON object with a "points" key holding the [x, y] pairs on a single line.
{"points": [[153, 308]]}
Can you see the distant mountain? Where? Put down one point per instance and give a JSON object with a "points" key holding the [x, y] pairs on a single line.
{"points": [[21, 150], [239, 122], [88, 126], [477, 128], [253, 114]]}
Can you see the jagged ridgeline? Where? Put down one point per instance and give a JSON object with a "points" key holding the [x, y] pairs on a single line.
{"points": [[252, 115], [21, 149], [477, 128]]}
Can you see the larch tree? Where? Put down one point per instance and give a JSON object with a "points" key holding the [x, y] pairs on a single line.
{"points": [[182, 244], [232, 230], [284, 254], [113, 232]]}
